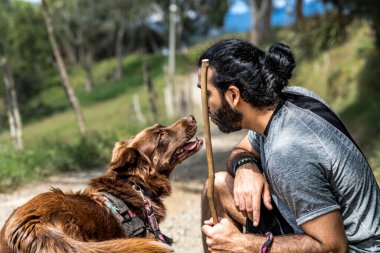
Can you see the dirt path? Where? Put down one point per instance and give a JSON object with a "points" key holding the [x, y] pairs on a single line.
{"points": [[183, 219]]}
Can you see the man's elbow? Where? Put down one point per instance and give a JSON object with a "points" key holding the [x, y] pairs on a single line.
{"points": [[337, 246]]}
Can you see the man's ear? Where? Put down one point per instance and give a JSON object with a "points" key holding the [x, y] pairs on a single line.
{"points": [[124, 158], [232, 95]]}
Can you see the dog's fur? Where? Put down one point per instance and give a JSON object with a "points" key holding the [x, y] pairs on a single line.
{"points": [[55, 222]]}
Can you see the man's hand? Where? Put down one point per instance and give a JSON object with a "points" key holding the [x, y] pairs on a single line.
{"points": [[223, 237], [322, 234], [249, 187]]}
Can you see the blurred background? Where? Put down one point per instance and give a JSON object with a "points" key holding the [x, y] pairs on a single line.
{"points": [[78, 75]]}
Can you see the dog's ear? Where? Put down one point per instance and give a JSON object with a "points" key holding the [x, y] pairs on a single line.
{"points": [[124, 158]]}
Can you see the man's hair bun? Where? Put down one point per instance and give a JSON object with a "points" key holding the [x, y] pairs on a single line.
{"points": [[278, 65]]}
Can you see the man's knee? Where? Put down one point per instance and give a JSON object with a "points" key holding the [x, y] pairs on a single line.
{"points": [[222, 182]]}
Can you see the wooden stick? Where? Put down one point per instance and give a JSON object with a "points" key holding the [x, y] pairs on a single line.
{"points": [[210, 158]]}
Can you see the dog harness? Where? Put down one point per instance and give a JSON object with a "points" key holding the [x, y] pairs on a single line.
{"points": [[132, 224]]}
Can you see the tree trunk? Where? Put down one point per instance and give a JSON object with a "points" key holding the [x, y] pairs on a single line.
{"points": [[85, 59], [169, 94], [340, 14], [169, 89], [119, 52], [87, 65], [376, 28], [62, 70], [137, 109], [151, 94], [69, 51], [261, 27], [70, 42], [299, 11], [15, 124]]}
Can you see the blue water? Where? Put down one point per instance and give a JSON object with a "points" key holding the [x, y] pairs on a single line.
{"points": [[239, 18]]}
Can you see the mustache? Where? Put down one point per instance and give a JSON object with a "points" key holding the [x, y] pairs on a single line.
{"points": [[226, 118]]}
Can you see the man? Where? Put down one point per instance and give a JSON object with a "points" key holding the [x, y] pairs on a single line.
{"points": [[297, 153]]}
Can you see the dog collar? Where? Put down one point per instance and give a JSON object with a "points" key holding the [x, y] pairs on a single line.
{"points": [[146, 193]]}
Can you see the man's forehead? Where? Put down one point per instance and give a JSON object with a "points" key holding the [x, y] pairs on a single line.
{"points": [[209, 78]]}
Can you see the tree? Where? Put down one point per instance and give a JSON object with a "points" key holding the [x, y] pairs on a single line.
{"points": [[195, 18], [127, 16], [368, 9], [28, 53], [299, 12], [74, 102], [261, 27], [189, 20], [151, 94], [14, 117], [339, 14], [79, 27]]}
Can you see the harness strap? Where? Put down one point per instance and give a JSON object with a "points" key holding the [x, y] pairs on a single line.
{"points": [[154, 225], [132, 225], [152, 221]]}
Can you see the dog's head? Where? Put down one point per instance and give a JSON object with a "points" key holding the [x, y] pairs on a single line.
{"points": [[156, 150]]}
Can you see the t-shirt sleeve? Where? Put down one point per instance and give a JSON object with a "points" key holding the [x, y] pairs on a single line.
{"points": [[299, 179], [254, 139]]}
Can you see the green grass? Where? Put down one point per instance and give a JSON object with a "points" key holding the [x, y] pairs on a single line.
{"points": [[52, 156]]}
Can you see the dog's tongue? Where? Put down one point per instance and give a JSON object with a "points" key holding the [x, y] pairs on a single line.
{"points": [[190, 145]]}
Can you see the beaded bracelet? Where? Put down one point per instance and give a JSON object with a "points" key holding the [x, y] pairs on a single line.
{"points": [[267, 243], [244, 161]]}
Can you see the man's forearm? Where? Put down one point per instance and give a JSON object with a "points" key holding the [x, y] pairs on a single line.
{"points": [[288, 243]]}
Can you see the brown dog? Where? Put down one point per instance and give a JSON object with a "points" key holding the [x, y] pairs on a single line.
{"points": [[125, 202]]}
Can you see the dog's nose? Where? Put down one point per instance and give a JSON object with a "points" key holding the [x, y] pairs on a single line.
{"points": [[191, 119]]}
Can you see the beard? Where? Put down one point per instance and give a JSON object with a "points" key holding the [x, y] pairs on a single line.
{"points": [[226, 118]]}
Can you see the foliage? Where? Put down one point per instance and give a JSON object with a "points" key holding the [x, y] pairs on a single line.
{"points": [[368, 9], [313, 36], [375, 160], [24, 42], [93, 23], [5, 26], [364, 112], [84, 153], [53, 156], [195, 19], [52, 100]]}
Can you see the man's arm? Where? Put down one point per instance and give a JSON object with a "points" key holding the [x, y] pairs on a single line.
{"points": [[322, 234], [242, 150], [250, 185]]}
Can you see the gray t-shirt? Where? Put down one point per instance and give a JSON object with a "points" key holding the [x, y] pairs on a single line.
{"points": [[314, 167]]}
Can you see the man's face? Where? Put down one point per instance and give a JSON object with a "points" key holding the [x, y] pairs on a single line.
{"points": [[221, 113]]}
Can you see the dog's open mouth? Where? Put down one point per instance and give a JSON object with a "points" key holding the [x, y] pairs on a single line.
{"points": [[189, 149]]}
